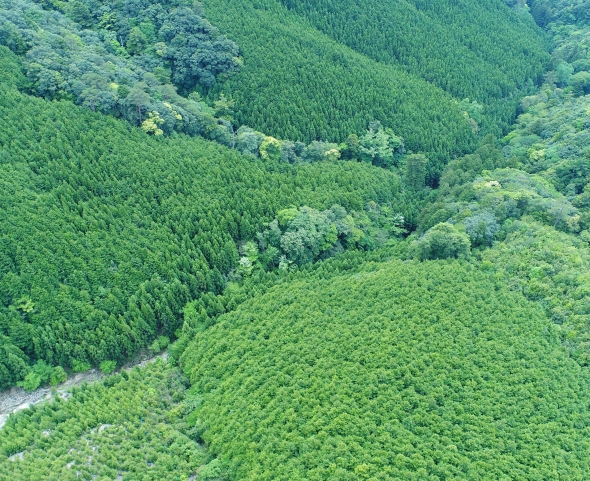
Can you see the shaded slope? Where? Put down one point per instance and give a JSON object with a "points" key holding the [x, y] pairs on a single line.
{"points": [[399, 371], [299, 84], [481, 50]]}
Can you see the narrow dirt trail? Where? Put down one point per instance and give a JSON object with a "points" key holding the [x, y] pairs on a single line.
{"points": [[17, 399]]}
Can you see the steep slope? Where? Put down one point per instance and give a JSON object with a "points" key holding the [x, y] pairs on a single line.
{"points": [[396, 371], [299, 84], [296, 74], [129, 426], [107, 232], [480, 50]]}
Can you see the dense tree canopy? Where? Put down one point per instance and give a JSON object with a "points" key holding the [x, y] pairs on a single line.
{"points": [[129, 426], [317, 89], [392, 371], [108, 233], [299, 84], [479, 50], [109, 67], [321, 343]]}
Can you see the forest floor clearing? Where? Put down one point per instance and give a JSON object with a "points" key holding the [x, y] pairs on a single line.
{"points": [[17, 399]]}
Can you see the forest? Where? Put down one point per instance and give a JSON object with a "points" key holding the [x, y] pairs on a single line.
{"points": [[356, 238], [109, 232], [460, 44], [393, 371], [130, 60], [139, 432]]}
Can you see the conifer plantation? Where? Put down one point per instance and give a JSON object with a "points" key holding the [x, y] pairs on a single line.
{"points": [[294, 240]]}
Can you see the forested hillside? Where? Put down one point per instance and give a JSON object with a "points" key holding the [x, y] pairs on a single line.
{"points": [[475, 50], [108, 232], [357, 270], [392, 371], [150, 61], [526, 196], [130, 426], [316, 88]]}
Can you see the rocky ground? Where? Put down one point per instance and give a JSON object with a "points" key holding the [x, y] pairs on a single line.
{"points": [[17, 398]]}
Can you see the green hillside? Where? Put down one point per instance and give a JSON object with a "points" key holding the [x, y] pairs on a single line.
{"points": [[299, 84], [108, 232], [396, 371], [299, 72], [479, 50], [298, 81], [311, 215], [129, 426]]}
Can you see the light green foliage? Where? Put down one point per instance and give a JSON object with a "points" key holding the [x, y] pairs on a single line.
{"points": [[332, 154], [211, 471], [396, 371], [552, 268], [443, 241], [58, 375], [204, 312], [31, 382], [41, 373], [305, 235], [285, 216], [151, 125], [270, 149], [107, 367], [249, 258], [130, 426], [380, 146], [159, 344], [80, 366]]}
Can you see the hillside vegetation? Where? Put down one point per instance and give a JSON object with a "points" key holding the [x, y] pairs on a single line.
{"points": [[129, 426], [316, 209], [316, 88], [309, 71], [524, 202], [108, 233], [449, 44], [299, 84], [395, 371]]}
